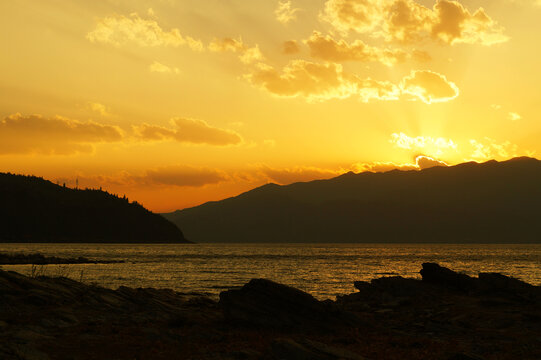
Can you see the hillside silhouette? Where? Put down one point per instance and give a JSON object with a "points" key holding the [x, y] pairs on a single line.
{"points": [[36, 210], [492, 202]]}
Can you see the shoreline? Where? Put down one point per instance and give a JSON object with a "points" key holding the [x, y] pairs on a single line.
{"points": [[39, 259], [445, 315]]}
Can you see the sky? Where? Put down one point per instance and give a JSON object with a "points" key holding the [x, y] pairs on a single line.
{"points": [[174, 103]]}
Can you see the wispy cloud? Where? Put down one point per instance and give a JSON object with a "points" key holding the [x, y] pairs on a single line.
{"points": [[164, 69], [99, 108], [285, 13], [247, 54], [513, 116]]}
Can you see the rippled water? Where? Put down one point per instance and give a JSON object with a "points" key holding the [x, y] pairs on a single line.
{"points": [[322, 270]]}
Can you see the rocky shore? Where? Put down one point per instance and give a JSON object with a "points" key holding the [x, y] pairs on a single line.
{"points": [[39, 259], [445, 315]]}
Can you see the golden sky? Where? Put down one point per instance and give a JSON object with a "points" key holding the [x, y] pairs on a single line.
{"points": [[178, 102]]}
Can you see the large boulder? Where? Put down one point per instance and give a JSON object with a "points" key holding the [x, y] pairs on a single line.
{"points": [[265, 303], [435, 274]]}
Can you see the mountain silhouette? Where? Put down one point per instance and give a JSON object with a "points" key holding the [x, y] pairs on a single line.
{"points": [[36, 210], [492, 202]]}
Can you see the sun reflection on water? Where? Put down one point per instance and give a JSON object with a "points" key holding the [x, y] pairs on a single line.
{"points": [[324, 270]]}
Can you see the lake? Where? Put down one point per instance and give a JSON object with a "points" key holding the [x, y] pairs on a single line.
{"points": [[324, 270]]}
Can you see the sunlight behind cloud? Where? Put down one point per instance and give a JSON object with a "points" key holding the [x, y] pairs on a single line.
{"points": [[119, 30], [409, 21]]}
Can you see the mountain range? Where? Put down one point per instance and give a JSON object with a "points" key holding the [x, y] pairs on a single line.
{"points": [[491, 202]]}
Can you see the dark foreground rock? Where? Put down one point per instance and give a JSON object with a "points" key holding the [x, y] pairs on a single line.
{"points": [[309, 350], [264, 303], [39, 259], [443, 316]]}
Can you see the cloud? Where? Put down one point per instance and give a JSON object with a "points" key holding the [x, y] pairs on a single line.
{"points": [[285, 13], [184, 176], [247, 54], [226, 44], [251, 55], [188, 131], [175, 175], [407, 21], [513, 116], [425, 162], [120, 30], [99, 108], [28, 134], [455, 24], [300, 173], [382, 167], [353, 15], [420, 56], [426, 144], [421, 162], [320, 82], [286, 176], [269, 142], [290, 47], [428, 86], [328, 49], [488, 148], [161, 68]]}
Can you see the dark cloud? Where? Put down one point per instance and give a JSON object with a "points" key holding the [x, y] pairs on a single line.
{"points": [[26, 134], [301, 173], [290, 47], [189, 131], [176, 175]]}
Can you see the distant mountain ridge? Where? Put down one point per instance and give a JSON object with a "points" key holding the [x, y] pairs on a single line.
{"points": [[492, 202], [36, 210]]}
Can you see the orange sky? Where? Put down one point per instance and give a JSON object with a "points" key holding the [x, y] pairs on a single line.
{"points": [[178, 102]]}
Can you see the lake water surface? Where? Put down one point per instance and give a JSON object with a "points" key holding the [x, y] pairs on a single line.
{"points": [[324, 270]]}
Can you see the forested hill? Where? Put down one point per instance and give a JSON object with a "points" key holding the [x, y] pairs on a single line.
{"points": [[493, 202], [35, 210]]}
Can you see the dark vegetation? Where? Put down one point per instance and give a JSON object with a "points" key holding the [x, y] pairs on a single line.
{"points": [[36, 210], [493, 202], [445, 315]]}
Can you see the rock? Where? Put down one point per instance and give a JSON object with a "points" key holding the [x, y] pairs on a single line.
{"points": [[15, 351], [287, 349], [502, 283], [265, 303], [245, 354], [393, 291], [463, 356], [438, 275]]}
